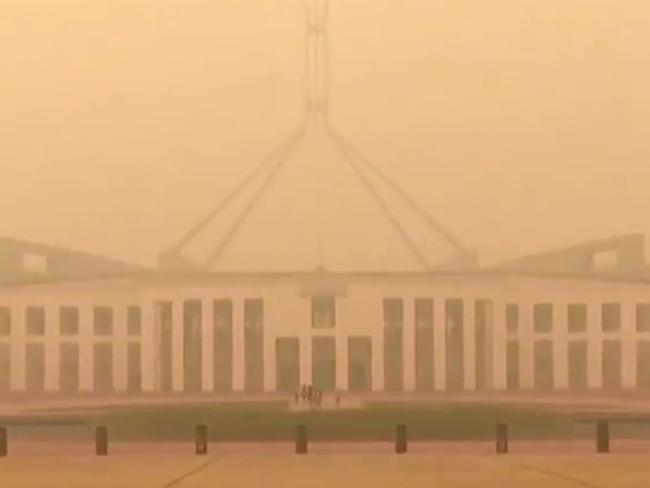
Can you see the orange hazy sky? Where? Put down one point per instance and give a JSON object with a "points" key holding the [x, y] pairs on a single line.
{"points": [[522, 124]]}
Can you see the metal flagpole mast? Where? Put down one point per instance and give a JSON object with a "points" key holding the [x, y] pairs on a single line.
{"points": [[316, 117]]}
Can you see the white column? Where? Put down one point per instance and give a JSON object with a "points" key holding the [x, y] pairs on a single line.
{"points": [[560, 336], [377, 362], [17, 345], [628, 345], [269, 373], [469, 346], [408, 344], [86, 348], [439, 345], [120, 355], [305, 358], [499, 351], [594, 346], [341, 357], [526, 347], [238, 346], [377, 359], [52, 352], [177, 345], [269, 359], [207, 341], [148, 347]]}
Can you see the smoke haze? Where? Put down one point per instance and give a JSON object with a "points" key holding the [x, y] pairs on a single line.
{"points": [[521, 124]]}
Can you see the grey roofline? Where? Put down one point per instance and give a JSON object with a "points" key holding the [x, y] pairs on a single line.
{"points": [[154, 276]]}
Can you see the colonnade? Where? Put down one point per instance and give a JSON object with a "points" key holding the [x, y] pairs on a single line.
{"points": [[476, 344]]}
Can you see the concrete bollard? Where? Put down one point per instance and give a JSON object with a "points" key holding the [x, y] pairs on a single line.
{"points": [[502, 438], [3, 441], [101, 441], [401, 439], [602, 437], [301, 439], [201, 439]]}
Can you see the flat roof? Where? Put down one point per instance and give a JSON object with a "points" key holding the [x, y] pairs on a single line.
{"points": [[201, 277]]}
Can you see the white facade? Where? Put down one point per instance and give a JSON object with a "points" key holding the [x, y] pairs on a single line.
{"points": [[543, 349]]}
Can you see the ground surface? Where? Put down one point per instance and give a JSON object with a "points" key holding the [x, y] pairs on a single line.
{"points": [[275, 421], [451, 445], [326, 470]]}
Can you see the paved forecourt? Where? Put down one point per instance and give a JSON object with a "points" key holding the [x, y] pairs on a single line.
{"points": [[326, 470]]}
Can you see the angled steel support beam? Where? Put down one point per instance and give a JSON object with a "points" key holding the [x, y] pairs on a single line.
{"points": [[237, 190], [278, 164], [372, 191], [433, 223]]}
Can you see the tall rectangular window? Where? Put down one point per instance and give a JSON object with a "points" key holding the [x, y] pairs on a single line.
{"points": [[323, 312], [69, 321], [543, 317], [577, 317], [254, 313], [222, 313], [192, 344], [222, 343], [163, 321], [611, 317], [393, 312], [512, 319], [254, 345], [424, 344], [35, 321], [643, 317], [103, 320], [455, 343], [423, 313], [5, 321], [133, 320], [393, 344]]}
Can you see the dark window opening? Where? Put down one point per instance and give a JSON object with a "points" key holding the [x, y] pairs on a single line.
{"points": [[611, 317], [454, 343], [393, 312], [643, 317], [5, 321], [512, 319], [69, 320], [543, 317], [577, 317], [103, 320], [323, 312], [423, 313], [35, 320], [254, 313], [133, 320], [222, 314]]}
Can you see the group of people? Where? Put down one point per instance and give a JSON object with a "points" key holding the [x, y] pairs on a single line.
{"points": [[312, 396], [309, 394]]}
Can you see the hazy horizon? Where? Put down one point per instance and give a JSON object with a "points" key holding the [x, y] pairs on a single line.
{"points": [[522, 125]]}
